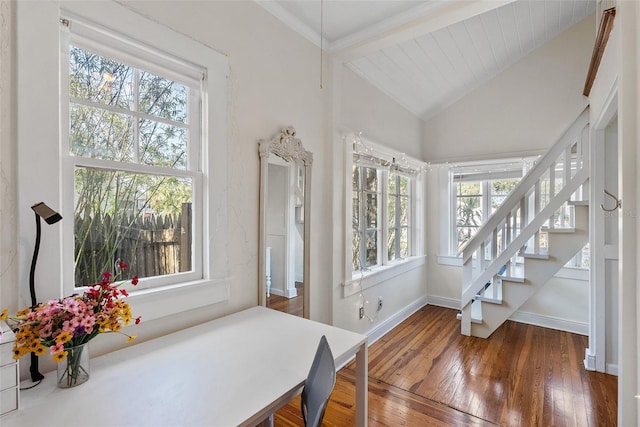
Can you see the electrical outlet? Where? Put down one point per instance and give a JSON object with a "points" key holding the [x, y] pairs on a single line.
{"points": [[361, 311], [379, 303]]}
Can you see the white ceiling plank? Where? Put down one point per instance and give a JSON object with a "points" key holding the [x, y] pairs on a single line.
{"points": [[510, 32], [495, 36], [439, 58], [468, 50], [424, 66], [411, 74], [538, 22], [552, 16], [449, 13], [451, 51], [398, 82], [565, 17], [522, 17], [481, 44]]}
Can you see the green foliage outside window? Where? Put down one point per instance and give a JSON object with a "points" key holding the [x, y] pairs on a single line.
{"points": [[123, 115]]}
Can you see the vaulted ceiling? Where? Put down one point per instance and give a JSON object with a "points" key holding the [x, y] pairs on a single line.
{"points": [[428, 54]]}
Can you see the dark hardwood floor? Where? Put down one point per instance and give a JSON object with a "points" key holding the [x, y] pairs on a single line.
{"points": [[424, 373], [293, 305]]}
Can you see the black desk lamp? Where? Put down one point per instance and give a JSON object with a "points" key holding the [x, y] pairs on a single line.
{"points": [[51, 217]]}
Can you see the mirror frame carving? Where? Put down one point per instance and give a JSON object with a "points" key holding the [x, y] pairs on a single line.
{"points": [[288, 147]]}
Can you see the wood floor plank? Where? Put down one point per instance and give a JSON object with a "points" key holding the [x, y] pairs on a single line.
{"points": [[424, 373]]}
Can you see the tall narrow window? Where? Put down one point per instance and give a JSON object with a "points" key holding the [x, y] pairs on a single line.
{"points": [[366, 224], [398, 213]]}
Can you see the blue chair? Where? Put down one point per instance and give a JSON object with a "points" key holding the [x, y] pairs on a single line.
{"points": [[318, 386]]}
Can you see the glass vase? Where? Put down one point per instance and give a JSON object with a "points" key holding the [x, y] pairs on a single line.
{"points": [[74, 370]]}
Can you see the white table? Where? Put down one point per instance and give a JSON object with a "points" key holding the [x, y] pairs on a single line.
{"points": [[235, 370]]}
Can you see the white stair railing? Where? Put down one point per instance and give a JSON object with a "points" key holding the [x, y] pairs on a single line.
{"points": [[540, 200]]}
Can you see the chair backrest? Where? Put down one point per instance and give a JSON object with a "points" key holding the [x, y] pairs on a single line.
{"points": [[319, 385]]}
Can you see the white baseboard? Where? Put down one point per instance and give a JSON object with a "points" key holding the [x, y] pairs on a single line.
{"points": [[551, 322], [276, 291], [522, 317], [443, 302], [612, 368], [387, 325], [291, 292]]}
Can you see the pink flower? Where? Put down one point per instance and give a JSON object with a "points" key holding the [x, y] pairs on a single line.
{"points": [[57, 348]]}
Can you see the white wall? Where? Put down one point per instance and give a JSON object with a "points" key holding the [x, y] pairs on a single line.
{"points": [[359, 107], [521, 111]]}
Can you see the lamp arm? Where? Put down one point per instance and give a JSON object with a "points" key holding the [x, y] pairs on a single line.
{"points": [[32, 272], [35, 373]]}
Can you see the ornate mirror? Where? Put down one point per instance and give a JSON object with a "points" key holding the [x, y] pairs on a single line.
{"points": [[285, 196]]}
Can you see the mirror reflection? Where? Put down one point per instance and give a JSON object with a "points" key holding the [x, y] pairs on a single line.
{"points": [[284, 223]]}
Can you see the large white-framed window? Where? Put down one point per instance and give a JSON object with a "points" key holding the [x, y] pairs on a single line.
{"points": [[475, 201], [384, 218], [132, 153], [472, 191], [132, 129]]}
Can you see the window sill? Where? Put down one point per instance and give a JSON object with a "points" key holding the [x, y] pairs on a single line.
{"points": [[373, 277], [573, 273], [164, 301]]}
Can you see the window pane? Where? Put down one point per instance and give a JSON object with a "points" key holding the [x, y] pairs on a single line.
{"points": [[404, 211], [163, 145], [356, 211], [100, 134], [163, 98], [371, 248], [356, 250], [371, 179], [404, 185], [392, 183], [500, 189], [98, 79], [356, 178], [392, 211], [469, 211], [404, 242], [469, 188], [391, 245], [142, 220], [371, 211], [465, 234]]}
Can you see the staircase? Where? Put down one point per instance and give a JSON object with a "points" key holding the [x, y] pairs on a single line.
{"points": [[540, 226]]}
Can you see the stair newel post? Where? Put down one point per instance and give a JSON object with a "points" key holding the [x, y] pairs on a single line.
{"points": [[465, 309]]}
